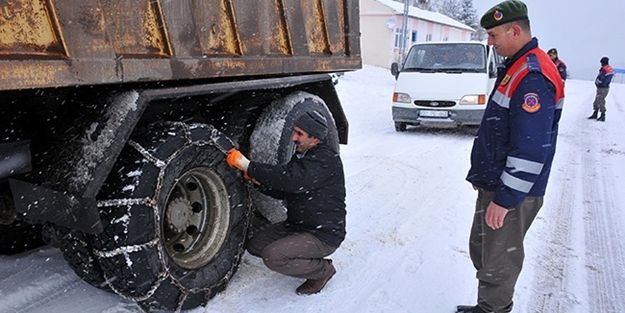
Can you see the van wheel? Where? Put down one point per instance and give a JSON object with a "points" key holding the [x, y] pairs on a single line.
{"points": [[175, 218], [271, 143], [400, 126]]}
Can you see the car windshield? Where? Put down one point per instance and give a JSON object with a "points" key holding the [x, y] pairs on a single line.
{"points": [[446, 58]]}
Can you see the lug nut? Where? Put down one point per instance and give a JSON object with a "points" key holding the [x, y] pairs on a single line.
{"points": [[191, 186], [178, 247], [196, 207], [191, 230]]}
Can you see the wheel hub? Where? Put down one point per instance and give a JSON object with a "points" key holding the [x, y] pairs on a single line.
{"points": [[196, 219]]}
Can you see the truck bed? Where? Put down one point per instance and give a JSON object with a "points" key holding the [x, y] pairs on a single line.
{"points": [[47, 43]]}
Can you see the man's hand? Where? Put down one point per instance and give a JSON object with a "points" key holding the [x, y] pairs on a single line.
{"points": [[237, 160], [495, 215]]}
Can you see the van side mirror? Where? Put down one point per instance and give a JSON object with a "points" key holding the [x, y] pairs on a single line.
{"points": [[395, 69]]}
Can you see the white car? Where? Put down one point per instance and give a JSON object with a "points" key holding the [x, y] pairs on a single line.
{"points": [[444, 84]]}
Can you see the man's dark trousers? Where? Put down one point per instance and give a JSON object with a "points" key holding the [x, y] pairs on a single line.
{"points": [[599, 103], [297, 254], [498, 254]]}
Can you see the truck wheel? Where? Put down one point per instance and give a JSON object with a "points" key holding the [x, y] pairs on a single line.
{"points": [[175, 218], [400, 127], [78, 254], [19, 236], [271, 143]]}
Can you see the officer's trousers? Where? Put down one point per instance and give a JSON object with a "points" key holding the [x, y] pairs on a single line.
{"points": [[498, 254], [599, 104]]}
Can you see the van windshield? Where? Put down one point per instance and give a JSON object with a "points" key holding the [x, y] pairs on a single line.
{"points": [[446, 57]]}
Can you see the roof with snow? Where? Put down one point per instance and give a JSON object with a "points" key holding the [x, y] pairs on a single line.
{"points": [[435, 17]]}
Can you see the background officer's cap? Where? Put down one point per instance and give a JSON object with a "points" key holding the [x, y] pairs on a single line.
{"points": [[504, 12]]}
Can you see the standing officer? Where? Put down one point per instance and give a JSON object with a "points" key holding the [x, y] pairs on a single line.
{"points": [[603, 87], [313, 187], [512, 154], [553, 53]]}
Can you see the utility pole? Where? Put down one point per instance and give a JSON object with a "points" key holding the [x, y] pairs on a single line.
{"points": [[404, 27]]}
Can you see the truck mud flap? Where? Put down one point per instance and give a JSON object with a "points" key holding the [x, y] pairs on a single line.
{"points": [[40, 204]]}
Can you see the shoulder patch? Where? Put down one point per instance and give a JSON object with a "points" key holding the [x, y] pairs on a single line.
{"points": [[531, 102], [505, 80], [532, 63]]}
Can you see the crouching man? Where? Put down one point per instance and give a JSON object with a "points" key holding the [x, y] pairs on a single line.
{"points": [[313, 187]]}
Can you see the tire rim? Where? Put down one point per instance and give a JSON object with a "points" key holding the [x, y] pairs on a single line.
{"points": [[196, 220]]}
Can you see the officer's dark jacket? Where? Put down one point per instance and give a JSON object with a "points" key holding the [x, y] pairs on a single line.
{"points": [[604, 77], [516, 141], [313, 187], [561, 68]]}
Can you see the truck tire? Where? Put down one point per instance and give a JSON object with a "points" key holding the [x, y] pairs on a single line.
{"points": [[78, 253], [19, 236], [175, 218], [271, 143]]}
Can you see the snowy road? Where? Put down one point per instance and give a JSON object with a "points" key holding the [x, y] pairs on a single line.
{"points": [[409, 214]]}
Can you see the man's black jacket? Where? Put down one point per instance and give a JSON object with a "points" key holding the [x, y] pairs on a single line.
{"points": [[313, 187]]}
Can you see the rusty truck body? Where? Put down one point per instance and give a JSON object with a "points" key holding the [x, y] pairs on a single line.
{"points": [[110, 113]]}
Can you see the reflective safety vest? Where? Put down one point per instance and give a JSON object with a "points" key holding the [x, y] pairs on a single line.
{"points": [[520, 69], [514, 148]]}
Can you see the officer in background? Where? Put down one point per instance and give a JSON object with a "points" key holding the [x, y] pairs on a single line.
{"points": [[512, 154], [553, 53], [603, 87]]}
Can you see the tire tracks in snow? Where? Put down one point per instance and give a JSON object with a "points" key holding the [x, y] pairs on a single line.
{"points": [[555, 273], [604, 223], [580, 268], [36, 297]]}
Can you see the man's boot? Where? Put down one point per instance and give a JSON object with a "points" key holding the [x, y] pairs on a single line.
{"points": [[601, 117], [593, 116], [469, 309], [312, 286]]}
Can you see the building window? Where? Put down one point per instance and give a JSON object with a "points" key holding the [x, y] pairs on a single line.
{"points": [[414, 36], [428, 37], [397, 37]]}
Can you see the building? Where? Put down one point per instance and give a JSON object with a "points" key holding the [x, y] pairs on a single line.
{"points": [[381, 24]]}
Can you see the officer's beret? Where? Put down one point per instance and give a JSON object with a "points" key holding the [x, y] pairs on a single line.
{"points": [[552, 51], [504, 12]]}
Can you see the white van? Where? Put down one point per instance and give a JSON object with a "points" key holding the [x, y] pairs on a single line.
{"points": [[444, 84]]}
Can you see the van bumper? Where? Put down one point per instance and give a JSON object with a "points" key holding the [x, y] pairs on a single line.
{"points": [[454, 117]]}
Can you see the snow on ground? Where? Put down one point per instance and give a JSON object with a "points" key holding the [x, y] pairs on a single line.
{"points": [[409, 214]]}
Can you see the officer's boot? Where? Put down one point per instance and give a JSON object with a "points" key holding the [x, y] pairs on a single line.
{"points": [[601, 117], [593, 116]]}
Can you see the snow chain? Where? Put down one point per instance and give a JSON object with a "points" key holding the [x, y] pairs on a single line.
{"points": [[151, 202]]}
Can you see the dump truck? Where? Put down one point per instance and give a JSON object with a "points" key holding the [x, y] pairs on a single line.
{"points": [[111, 112]]}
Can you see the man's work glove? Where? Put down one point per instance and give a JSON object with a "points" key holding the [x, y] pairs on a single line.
{"points": [[237, 160]]}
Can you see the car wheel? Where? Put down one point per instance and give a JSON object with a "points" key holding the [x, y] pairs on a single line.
{"points": [[400, 126]]}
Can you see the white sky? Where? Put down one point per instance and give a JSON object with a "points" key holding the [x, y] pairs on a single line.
{"points": [[582, 31]]}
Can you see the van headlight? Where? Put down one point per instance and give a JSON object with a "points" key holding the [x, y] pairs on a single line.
{"points": [[401, 97], [473, 99]]}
